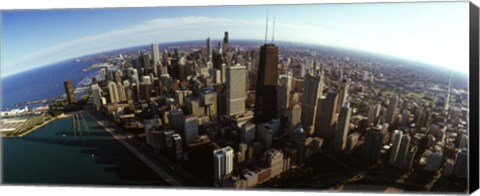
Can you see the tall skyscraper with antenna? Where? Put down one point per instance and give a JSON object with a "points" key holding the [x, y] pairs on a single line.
{"points": [[266, 88]]}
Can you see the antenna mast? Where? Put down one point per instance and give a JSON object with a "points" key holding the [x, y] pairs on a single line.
{"points": [[273, 31], [266, 28]]}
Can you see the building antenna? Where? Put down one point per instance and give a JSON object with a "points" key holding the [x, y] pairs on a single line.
{"points": [[266, 28], [273, 31]]}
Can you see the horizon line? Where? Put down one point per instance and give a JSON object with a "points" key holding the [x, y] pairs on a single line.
{"points": [[376, 54]]}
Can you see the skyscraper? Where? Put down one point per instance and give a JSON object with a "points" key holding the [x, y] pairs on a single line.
{"points": [[392, 105], [343, 93], [311, 92], [461, 164], [113, 92], [156, 58], [283, 89], [402, 155], [236, 89], [70, 92], [190, 133], [145, 62], [396, 140], [225, 42], [372, 145], [97, 96], [209, 49], [325, 117], [294, 115], [266, 88], [343, 127], [223, 163]]}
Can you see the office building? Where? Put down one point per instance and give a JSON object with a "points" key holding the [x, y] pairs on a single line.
{"points": [[194, 106], [373, 113], [312, 91], [190, 133], [434, 161], [294, 115], [156, 59], [343, 127], [144, 60], [461, 164], [225, 42], [176, 119], [96, 96], [178, 145], [248, 133], [70, 91], [236, 89], [391, 110], [352, 141], [283, 92], [209, 51], [223, 163], [266, 88], [122, 96], [403, 152], [113, 92], [265, 135], [396, 140], [274, 159], [343, 93], [372, 145], [326, 116]]}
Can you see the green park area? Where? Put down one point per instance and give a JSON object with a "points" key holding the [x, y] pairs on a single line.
{"points": [[56, 109]]}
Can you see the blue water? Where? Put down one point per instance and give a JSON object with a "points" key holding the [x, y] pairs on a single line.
{"points": [[57, 154], [42, 83]]}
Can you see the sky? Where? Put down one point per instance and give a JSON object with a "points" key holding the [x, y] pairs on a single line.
{"points": [[435, 33]]}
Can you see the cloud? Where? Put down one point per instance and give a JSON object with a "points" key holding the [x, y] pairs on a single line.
{"points": [[420, 44], [156, 30]]}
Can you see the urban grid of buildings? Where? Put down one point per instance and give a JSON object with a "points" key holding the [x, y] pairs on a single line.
{"points": [[257, 113]]}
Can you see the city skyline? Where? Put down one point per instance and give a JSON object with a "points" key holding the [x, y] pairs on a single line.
{"points": [[175, 110], [322, 24]]}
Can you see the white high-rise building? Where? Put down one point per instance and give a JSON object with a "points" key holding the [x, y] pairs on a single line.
{"points": [[97, 96], [113, 92], [121, 92], [343, 127], [283, 92], [223, 163], [236, 89], [156, 58], [343, 94]]}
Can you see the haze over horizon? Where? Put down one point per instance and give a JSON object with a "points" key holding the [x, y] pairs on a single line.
{"points": [[431, 33]]}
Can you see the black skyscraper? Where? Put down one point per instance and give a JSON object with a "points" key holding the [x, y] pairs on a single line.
{"points": [[225, 42], [266, 88]]}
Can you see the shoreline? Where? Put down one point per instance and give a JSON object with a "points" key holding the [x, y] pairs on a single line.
{"points": [[61, 116], [120, 137], [31, 130]]}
